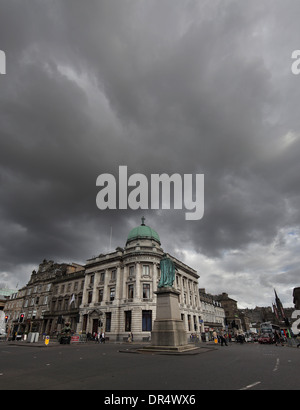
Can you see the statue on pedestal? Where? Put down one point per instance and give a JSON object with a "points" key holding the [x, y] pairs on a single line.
{"points": [[167, 272]]}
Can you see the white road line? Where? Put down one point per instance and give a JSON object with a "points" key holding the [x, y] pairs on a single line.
{"points": [[250, 385], [276, 366]]}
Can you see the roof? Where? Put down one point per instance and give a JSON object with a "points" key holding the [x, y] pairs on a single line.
{"points": [[143, 232]]}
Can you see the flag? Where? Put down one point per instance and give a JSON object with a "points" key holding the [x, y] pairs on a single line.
{"points": [[72, 299]]}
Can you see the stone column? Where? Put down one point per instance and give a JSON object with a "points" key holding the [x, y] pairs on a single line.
{"points": [[105, 288]]}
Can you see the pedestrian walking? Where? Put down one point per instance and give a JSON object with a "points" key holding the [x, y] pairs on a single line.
{"points": [[103, 337], [223, 340], [276, 338]]}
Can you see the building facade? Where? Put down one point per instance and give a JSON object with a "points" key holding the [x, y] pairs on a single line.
{"points": [[38, 307], [213, 315], [233, 320], [119, 291], [113, 292]]}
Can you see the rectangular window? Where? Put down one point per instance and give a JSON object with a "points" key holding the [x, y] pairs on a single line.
{"points": [[189, 322], [113, 275], [128, 321], [102, 277], [112, 294], [100, 296], [79, 300], [146, 270], [147, 320], [107, 321], [90, 295], [195, 323], [146, 291], [131, 271], [130, 291]]}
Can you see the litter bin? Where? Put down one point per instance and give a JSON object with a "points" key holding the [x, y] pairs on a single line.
{"points": [[65, 340]]}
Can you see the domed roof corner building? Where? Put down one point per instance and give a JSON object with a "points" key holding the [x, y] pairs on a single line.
{"points": [[119, 291]]}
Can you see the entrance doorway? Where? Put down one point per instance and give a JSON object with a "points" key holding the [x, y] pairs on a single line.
{"points": [[95, 326]]}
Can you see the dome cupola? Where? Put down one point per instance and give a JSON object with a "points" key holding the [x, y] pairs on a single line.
{"points": [[143, 232]]}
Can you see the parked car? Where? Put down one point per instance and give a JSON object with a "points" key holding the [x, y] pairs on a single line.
{"points": [[265, 339]]}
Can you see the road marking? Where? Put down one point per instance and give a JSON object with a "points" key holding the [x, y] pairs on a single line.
{"points": [[277, 365], [250, 385]]}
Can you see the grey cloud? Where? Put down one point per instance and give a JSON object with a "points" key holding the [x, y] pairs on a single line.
{"points": [[187, 87]]}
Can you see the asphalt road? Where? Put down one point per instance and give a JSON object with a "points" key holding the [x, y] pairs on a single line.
{"points": [[111, 367]]}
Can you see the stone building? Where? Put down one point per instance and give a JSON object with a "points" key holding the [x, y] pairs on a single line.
{"points": [[33, 309], [233, 319], [114, 292], [66, 297], [213, 315], [119, 291]]}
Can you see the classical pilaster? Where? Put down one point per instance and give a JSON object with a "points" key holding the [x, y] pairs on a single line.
{"points": [[138, 280]]}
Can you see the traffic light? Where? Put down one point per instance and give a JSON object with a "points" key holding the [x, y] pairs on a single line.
{"points": [[21, 318], [6, 318]]}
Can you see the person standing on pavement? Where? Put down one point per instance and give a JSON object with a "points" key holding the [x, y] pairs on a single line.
{"points": [[223, 340]]}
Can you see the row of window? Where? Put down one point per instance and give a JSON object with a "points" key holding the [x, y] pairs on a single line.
{"points": [[38, 289], [113, 273], [66, 303], [112, 293], [146, 295], [69, 287], [38, 300], [192, 321], [146, 321]]}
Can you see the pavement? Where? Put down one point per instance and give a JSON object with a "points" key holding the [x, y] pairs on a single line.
{"points": [[130, 347]]}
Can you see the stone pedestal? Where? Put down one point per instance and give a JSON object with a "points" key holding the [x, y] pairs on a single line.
{"points": [[168, 332], [168, 329]]}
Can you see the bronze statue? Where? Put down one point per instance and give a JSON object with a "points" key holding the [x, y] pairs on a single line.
{"points": [[167, 272]]}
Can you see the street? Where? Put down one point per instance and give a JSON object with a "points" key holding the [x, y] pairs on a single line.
{"points": [[116, 367]]}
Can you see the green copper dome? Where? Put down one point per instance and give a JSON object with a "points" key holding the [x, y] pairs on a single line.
{"points": [[143, 232]]}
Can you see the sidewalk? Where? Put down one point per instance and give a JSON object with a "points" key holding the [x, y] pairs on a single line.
{"points": [[40, 343]]}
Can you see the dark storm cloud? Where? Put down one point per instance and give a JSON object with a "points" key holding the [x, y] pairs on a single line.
{"points": [[160, 86]]}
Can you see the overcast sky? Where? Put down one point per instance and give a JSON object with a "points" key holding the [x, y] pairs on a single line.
{"points": [[162, 86]]}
